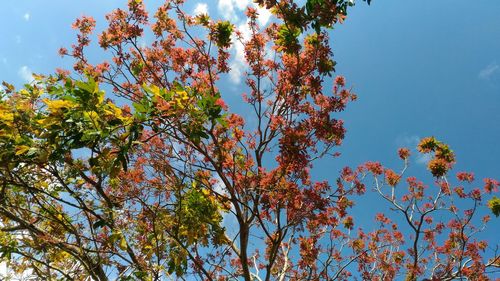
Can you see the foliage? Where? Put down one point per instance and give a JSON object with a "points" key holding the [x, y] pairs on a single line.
{"points": [[315, 14], [174, 184], [494, 205]]}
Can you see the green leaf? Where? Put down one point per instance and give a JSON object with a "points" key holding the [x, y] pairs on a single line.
{"points": [[494, 205], [223, 31], [90, 86], [140, 108], [32, 151], [115, 236], [123, 243], [6, 253], [99, 223], [141, 275]]}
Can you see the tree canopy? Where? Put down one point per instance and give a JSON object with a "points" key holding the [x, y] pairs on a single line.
{"points": [[139, 183]]}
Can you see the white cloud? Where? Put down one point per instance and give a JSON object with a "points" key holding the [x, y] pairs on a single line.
{"points": [[27, 16], [3, 269], [26, 74], [408, 141], [423, 159], [228, 8], [246, 33], [488, 71], [240, 53], [238, 65], [264, 15], [241, 4], [236, 72], [201, 8]]}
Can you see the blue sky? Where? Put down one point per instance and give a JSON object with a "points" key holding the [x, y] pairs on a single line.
{"points": [[424, 68], [420, 68]]}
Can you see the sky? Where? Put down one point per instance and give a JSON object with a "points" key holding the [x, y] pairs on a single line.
{"points": [[419, 68]]}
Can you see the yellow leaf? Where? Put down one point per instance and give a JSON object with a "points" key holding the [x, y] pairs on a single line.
{"points": [[123, 243], [115, 111], [183, 95], [24, 92], [100, 96], [46, 122], [6, 116], [23, 105], [91, 115], [155, 90], [56, 105], [21, 149], [38, 77]]}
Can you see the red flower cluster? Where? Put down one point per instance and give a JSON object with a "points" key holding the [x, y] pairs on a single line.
{"points": [[404, 153]]}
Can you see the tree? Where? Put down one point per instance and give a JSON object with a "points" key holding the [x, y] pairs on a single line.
{"points": [[175, 185]]}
